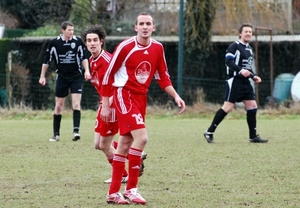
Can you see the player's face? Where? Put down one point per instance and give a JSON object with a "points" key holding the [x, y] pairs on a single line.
{"points": [[93, 44], [246, 34], [68, 32], [144, 28]]}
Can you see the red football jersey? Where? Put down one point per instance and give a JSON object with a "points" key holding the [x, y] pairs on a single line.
{"points": [[98, 67], [133, 66]]}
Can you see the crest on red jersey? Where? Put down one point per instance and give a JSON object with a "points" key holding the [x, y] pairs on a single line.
{"points": [[142, 72]]}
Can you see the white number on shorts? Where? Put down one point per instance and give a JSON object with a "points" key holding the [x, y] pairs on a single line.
{"points": [[138, 118]]}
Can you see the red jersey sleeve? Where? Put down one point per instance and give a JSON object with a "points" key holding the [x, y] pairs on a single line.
{"points": [[162, 74], [98, 67]]}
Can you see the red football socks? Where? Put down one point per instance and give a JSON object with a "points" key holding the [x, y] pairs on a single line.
{"points": [[117, 173], [134, 162]]}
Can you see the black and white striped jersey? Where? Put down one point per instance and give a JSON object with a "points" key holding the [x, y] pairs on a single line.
{"points": [[238, 56], [67, 55]]}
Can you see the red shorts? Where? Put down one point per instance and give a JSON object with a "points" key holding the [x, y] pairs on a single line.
{"points": [[107, 129], [131, 110]]}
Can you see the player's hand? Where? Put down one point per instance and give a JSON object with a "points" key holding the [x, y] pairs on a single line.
{"points": [[105, 114], [246, 73], [87, 75], [42, 81], [180, 104], [256, 79]]}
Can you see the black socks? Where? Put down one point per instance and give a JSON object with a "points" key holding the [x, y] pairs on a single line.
{"points": [[251, 120], [219, 116], [56, 124], [76, 120]]}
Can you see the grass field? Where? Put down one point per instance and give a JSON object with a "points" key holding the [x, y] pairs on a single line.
{"points": [[182, 170]]}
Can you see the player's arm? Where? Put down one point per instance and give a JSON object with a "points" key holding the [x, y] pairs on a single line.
{"points": [[230, 58], [42, 79], [45, 65], [249, 73], [84, 60], [105, 110], [87, 74], [230, 62]]}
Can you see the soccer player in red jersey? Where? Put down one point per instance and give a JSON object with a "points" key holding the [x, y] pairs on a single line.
{"points": [[134, 63], [94, 37]]}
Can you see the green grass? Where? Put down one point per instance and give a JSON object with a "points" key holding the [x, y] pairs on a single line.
{"points": [[182, 170]]}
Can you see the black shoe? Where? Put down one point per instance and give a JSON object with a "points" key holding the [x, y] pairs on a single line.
{"points": [[257, 139], [76, 136], [209, 136]]}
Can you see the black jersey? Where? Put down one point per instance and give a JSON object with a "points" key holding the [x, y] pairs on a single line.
{"points": [[67, 54], [238, 56]]}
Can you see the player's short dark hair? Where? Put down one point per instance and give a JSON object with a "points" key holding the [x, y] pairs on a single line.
{"points": [[144, 13], [65, 24], [96, 29], [244, 25]]}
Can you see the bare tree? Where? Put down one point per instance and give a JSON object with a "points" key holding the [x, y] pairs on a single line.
{"points": [[32, 14]]}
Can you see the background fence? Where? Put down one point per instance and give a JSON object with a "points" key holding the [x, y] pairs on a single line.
{"points": [[205, 83], [207, 86]]}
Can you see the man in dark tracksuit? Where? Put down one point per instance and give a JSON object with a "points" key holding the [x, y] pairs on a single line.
{"points": [[68, 52], [238, 61]]}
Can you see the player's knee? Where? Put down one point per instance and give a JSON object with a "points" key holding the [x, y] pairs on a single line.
{"points": [[227, 107], [105, 147], [144, 140], [58, 108], [76, 105]]}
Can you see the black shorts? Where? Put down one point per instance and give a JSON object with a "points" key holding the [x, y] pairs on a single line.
{"points": [[63, 86], [238, 89]]}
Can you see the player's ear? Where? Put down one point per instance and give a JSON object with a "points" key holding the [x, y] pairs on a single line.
{"points": [[154, 28]]}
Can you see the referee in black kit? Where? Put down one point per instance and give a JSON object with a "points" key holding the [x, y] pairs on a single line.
{"points": [[238, 61], [68, 53]]}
